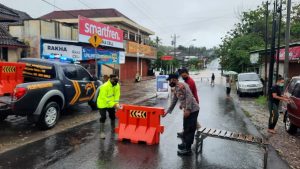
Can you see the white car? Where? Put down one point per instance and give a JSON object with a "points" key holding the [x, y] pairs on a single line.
{"points": [[249, 83]]}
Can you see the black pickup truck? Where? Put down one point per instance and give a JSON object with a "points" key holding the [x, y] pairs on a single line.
{"points": [[48, 88]]}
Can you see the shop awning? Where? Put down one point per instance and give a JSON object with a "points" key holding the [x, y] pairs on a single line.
{"points": [[294, 53]]}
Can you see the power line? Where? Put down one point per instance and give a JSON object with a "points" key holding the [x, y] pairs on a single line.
{"points": [[83, 3], [59, 8], [95, 11], [145, 14]]}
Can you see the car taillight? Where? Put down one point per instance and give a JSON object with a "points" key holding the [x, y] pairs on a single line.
{"points": [[19, 93]]}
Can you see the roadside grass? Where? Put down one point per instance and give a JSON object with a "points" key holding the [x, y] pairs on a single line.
{"points": [[247, 113], [261, 100]]}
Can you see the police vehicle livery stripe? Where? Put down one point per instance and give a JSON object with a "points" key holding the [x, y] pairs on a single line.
{"points": [[94, 91], [77, 92]]}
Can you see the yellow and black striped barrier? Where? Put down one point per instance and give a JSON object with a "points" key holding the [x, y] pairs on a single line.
{"points": [[9, 69], [138, 114]]}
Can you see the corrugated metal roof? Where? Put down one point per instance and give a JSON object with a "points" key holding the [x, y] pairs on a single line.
{"points": [[7, 40]]}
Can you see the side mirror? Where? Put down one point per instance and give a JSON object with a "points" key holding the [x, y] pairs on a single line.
{"points": [[94, 78]]}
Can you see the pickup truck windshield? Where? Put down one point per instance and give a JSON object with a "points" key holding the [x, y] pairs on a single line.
{"points": [[248, 77]]}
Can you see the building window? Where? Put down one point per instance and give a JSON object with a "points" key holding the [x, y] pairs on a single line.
{"points": [[3, 54], [138, 38], [131, 36], [126, 35], [57, 30]]}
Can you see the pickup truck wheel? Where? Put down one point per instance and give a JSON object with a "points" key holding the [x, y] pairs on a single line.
{"points": [[289, 127], [3, 117], [49, 116], [93, 106]]}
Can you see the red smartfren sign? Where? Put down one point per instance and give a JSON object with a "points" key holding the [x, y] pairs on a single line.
{"points": [[110, 35]]}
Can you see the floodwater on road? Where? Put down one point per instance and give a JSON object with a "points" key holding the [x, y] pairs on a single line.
{"points": [[82, 148]]}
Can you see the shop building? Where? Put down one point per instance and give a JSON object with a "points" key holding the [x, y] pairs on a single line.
{"points": [[294, 61], [136, 39]]}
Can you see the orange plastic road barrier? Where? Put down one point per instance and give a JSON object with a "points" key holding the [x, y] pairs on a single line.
{"points": [[11, 74], [139, 124]]}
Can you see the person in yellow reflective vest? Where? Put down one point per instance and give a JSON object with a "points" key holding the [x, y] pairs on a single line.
{"points": [[108, 101]]}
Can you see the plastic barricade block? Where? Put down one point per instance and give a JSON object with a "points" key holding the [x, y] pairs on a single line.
{"points": [[11, 74], [139, 124]]}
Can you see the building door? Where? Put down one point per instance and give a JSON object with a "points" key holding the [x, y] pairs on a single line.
{"points": [[3, 54]]}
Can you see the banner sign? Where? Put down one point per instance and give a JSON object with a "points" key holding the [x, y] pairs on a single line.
{"points": [[103, 56], [162, 83], [121, 57], [294, 53], [62, 50], [134, 48], [110, 35], [167, 58]]}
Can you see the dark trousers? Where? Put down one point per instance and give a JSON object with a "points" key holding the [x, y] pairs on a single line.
{"points": [[111, 114], [274, 114], [228, 89], [189, 128]]}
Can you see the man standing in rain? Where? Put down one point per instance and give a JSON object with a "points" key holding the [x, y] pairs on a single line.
{"points": [[190, 109], [108, 101], [184, 73]]}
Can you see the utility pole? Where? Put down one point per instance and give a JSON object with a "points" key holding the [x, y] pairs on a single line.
{"points": [[271, 67], [278, 42], [266, 47], [287, 41], [138, 53], [174, 41], [157, 45]]}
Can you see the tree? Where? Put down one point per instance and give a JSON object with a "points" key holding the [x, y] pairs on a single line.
{"points": [[193, 64], [249, 34]]}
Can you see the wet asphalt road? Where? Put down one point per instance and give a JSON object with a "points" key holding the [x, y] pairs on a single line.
{"points": [[82, 148]]}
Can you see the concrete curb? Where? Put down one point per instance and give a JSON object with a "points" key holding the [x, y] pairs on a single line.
{"points": [[283, 164]]}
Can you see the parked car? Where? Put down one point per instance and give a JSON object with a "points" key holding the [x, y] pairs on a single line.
{"points": [[292, 109], [249, 83], [48, 88]]}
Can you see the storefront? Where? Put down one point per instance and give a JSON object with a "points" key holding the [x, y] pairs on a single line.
{"points": [[109, 54], [138, 61], [108, 60]]}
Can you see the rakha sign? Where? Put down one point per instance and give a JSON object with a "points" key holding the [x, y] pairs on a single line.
{"points": [[110, 35], [62, 50]]}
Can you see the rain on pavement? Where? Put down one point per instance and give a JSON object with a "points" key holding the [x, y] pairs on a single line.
{"points": [[81, 147]]}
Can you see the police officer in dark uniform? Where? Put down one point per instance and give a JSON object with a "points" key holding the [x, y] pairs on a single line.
{"points": [[190, 109]]}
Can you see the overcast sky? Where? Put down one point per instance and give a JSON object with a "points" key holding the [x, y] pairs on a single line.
{"points": [[204, 20]]}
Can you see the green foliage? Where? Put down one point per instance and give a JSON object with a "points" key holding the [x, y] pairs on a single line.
{"points": [[261, 100], [193, 64], [249, 34], [247, 113], [162, 50]]}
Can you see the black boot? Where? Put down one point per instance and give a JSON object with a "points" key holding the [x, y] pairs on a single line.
{"points": [[181, 146], [186, 151], [112, 125], [180, 134]]}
